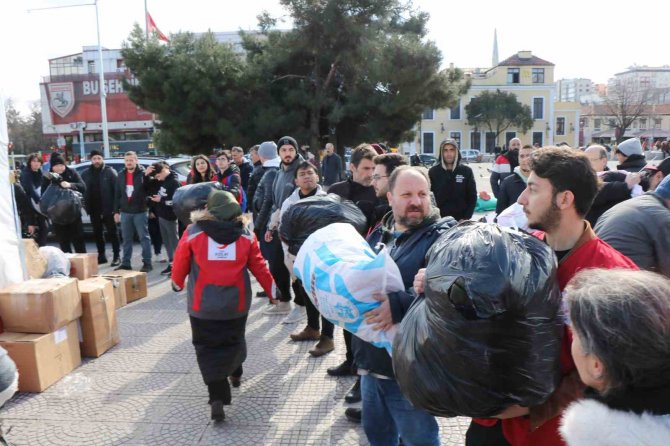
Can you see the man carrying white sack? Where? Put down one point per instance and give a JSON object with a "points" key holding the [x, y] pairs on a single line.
{"points": [[407, 231]]}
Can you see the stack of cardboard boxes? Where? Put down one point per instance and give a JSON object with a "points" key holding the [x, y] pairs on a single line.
{"points": [[49, 324]]}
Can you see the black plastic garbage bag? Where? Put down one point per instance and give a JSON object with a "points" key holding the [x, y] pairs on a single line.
{"points": [[61, 206], [192, 197], [488, 333], [306, 216]]}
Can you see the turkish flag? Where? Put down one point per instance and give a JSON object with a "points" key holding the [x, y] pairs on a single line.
{"points": [[152, 28]]}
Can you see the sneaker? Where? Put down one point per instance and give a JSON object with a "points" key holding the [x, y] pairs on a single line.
{"points": [[297, 314], [115, 262], [325, 345], [217, 410], [146, 267], [280, 308], [167, 271], [102, 259], [354, 394], [353, 414], [343, 369], [307, 334], [127, 267], [261, 294]]}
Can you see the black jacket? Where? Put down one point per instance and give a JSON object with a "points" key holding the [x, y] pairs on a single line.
{"points": [[32, 183], [166, 190], [69, 175], [27, 213], [254, 180], [408, 251], [107, 186], [613, 191], [455, 190], [245, 170], [510, 189], [364, 197], [332, 169], [263, 198], [138, 200], [633, 163]]}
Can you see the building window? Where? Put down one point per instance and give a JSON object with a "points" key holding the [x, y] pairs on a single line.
{"points": [[475, 140], [428, 142], [512, 75], [538, 108], [457, 137], [91, 66], [538, 138], [560, 126], [455, 112], [597, 123], [657, 123], [490, 142], [538, 76], [428, 114], [643, 124]]}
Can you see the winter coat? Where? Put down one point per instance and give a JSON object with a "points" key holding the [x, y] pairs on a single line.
{"points": [[24, 207], [408, 251], [217, 256], [284, 182], [263, 198], [633, 163], [613, 191], [32, 184], [510, 189], [138, 200], [254, 180], [503, 166], [69, 175], [364, 197], [231, 181], [640, 229], [166, 190], [594, 422], [332, 170], [107, 179], [455, 190], [245, 170]]}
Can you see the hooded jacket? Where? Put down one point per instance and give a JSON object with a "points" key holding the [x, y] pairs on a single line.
{"points": [[408, 250], [455, 190], [633, 163], [284, 183], [107, 178], [217, 256], [263, 197], [166, 190]]}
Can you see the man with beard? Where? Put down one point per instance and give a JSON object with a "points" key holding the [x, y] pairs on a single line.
{"points": [[408, 232], [514, 184], [504, 165], [560, 190], [453, 183], [100, 181]]}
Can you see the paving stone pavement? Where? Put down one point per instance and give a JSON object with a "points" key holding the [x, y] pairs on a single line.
{"points": [[148, 391]]}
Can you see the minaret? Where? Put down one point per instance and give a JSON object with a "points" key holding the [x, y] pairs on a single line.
{"points": [[494, 61]]}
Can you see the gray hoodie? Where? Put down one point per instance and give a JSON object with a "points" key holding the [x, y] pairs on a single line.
{"points": [[284, 184]]}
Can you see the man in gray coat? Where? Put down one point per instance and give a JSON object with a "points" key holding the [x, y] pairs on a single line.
{"points": [[640, 228]]}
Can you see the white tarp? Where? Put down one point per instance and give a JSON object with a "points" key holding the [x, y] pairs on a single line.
{"points": [[11, 266]]}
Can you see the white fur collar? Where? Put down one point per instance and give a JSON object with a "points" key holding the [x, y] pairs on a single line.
{"points": [[591, 423]]}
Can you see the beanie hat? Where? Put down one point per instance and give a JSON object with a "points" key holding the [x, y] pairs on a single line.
{"points": [[94, 153], [287, 140], [223, 205], [268, 150], [630, 147], [663, 189], [56, 159]]}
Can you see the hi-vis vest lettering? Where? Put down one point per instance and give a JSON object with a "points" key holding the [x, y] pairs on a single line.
{"points": [[218, 251]]}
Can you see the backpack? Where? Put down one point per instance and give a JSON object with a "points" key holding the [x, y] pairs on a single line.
{"points": [[241, 195]]}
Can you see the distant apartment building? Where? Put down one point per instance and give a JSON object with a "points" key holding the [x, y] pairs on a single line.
{"points": [[651, 81], [574, 90]]}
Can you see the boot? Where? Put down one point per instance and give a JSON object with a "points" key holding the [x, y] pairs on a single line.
{"points": [[102, 259], [354, 394], [307, 334], [217, 410], [325, 345]]}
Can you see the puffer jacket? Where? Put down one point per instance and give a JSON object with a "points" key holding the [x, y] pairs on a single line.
{"points": [[263, 197], [217, 256]]}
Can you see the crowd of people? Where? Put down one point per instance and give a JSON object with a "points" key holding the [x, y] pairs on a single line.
{"points": [[603, 226]]}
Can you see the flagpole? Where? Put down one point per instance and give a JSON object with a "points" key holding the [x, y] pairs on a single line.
{"points": [[146, 21]]}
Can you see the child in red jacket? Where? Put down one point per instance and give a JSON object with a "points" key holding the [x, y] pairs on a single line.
{"points": [[216, 252]]}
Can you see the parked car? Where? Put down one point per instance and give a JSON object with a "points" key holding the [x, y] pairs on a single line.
{"points": [[470, 154], [428, 160]]}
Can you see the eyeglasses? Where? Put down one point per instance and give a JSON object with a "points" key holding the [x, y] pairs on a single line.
{"points": [[378, 177]]}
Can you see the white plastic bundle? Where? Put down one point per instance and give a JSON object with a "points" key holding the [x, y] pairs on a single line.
{"points": [[341, 273]]}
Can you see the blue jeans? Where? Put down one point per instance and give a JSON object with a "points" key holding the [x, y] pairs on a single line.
{"points": [[387, 415], [131, 224]]}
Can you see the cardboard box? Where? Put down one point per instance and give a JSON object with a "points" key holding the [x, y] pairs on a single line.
{"points": [[120, 299], [83, 266], [40, 305], [98, 326], [134, 283], [43, 359], [35, 262]]}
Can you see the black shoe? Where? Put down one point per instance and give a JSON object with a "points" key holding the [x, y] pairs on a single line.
{"points": [[217, 410], [127, 267], [235, 381], [261, 294], [167, 271], [353, 414], [354, 394], [102, 260], [115, 262], [146, 268], [344, 369]]}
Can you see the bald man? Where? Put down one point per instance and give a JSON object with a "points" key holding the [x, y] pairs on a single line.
{"points": [[331, 167]]}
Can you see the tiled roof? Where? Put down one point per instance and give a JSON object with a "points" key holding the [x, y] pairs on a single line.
{"points": [[516, 60]]}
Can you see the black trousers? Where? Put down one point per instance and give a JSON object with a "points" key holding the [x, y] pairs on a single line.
{"points": [[99, 222], [70, 235], [220, 390], [42, 229], [278, 269], [478, 435], [155, 235], [313, 314]]}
